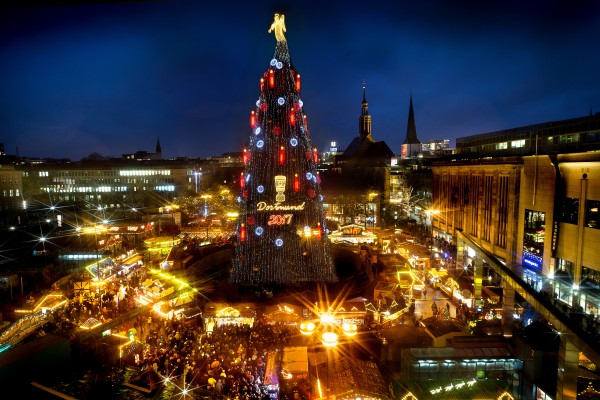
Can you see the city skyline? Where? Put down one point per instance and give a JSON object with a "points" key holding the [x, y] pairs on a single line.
{"points": [[112, 78]]}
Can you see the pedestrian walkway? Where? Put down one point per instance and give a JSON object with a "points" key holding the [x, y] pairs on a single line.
{"points": [[423, 305]]}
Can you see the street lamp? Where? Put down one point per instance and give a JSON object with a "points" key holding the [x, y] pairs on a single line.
{"points": [[205, 197], [197, 175], [329, 332]]}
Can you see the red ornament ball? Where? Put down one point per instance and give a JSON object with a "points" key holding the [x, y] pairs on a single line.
{"points": [[297, 106], [250, 220], [245, 193], [277, 131], [311, 193], [263, 106]]}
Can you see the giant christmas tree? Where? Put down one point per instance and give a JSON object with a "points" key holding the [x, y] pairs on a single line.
{"points": [[281, 235]]}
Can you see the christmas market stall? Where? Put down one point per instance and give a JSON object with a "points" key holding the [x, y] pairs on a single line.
{"points": [[354, 312], [216, 314], [119, 348], [287, 371], [174, 306], [451, 287], [353, 234]]}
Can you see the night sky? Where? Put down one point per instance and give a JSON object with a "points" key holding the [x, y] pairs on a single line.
{"points": [[112, 78]]}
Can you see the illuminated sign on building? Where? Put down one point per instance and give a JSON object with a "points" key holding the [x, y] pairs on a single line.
{"points": [[532, 261]]}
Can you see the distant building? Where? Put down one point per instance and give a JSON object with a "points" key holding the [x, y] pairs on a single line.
{"points": [[435, 147], [333, 151], [363, 150], [531, 214], [356, 185], [566, 136], [109, 183], [11, 194], [144, 155], [411, 147], [116, 187]]}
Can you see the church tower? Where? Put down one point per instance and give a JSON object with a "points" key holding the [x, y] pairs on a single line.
{"points": [[158, 151], [364, 121], [411, 146]]}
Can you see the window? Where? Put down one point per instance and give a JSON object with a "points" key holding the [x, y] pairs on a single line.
{"points": [[572, 138], [592, 214], [502, 199], [533, 239], [564, 268], [488, 200], [517, 143], [590, 277], [569, 212], [502, 146]]}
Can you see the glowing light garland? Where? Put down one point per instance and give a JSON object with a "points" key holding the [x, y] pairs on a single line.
{"points": [[293, 247]]}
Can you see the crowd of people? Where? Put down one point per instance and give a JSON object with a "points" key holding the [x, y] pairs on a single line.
{"points": [[116, 297], [230, 361]]}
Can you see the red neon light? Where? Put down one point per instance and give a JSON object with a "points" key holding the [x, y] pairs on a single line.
{"points": [[298, 82], [296, 183], [242, 233], [271, 79], [281, 156], [292, 117], [316, 155], [252, 120], [262, 84], [242, 180], [245, 156]]}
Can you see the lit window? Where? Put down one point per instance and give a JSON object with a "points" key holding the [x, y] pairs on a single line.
{"points": [[517, 143], [502, 146]]}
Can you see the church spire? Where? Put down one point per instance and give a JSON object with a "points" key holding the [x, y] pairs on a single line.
{"points": [[364, 121], [411, 128], [158, 149]]}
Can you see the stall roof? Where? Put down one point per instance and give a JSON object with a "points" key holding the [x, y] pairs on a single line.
{"points": [[245, 309], [432, 353], [295, 359], [360, 377], [345, 307], [192, 312]]}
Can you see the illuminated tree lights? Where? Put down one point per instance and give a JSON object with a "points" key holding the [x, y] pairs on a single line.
{"points": [[281, 200]]}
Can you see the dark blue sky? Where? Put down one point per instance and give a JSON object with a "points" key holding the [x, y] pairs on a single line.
{"points": [[111, 78]]}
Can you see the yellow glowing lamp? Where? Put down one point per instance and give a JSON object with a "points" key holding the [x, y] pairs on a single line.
{"points": [[349, 329], [307, 328], [307, 231], [329, 339]]}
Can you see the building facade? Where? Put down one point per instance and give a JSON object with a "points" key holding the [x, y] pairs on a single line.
{"points": [[532, 218], [356, 187]]}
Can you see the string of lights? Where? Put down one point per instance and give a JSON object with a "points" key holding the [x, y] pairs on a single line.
{"points": [[281, 235]]}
